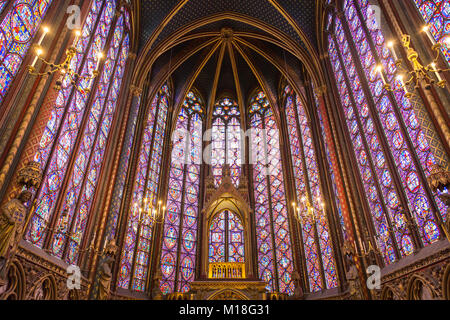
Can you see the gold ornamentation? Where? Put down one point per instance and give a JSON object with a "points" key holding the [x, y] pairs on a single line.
{"points": [[65, 68], [12, 218], [30, 176], [419, 72], [439, 178], [136, 91], [439, 181], [227, 270]]}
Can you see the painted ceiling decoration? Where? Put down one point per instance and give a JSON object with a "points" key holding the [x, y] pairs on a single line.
{"points": [[228, 46]]}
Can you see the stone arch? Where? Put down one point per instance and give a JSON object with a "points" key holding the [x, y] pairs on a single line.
{"points": [[388, 293], [446, 283], [14, 289], [420, 289], [228, 294], [44, 289]]}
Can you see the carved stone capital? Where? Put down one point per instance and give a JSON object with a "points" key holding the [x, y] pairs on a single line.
{"points": [[136, 91]]}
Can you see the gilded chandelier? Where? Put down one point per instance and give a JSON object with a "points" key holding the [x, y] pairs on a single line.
{"points": [[64, 68], [430, 74]]}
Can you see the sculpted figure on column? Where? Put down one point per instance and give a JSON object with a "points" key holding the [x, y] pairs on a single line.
{"points": [[106, 266], [12, 218]]}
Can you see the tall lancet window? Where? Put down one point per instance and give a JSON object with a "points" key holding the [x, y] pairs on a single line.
{"points": [[315, 231], [226, 140], [73, 145], [138, 240], [180, 228], [392, 153], [275, 263], [436, 13], [226, 238], [17, 30]]}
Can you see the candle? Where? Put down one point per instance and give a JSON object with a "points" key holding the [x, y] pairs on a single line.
{"points": [[400, 78], [391, 46], [380, 71], [99, 58], [77, 36], [38, 53], [44, 33], [426, 29], [434, 69]]}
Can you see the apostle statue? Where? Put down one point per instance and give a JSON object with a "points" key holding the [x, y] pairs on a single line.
{"points": [[298, 292], [156, 290], [351, 274], [106, 265], [12, 219]]}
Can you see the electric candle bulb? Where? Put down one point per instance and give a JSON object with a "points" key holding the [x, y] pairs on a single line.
{"points": [[379, 69], [44, 33], [391, 46], [426, 29], [38, 53], [99, 58], [400, 78], [77, 36], [434, 69], [447, 40]]}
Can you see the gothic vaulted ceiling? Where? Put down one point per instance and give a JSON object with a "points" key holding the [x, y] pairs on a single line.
{"points": [[226, 47]]}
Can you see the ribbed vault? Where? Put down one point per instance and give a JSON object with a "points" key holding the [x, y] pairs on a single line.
{"points": [[227, 52]]}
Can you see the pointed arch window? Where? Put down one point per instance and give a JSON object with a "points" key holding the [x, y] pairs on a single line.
{"points": [[180, 228], [17, 30], [315, 231], [391, 149], [226, 238], [275, 263], [436, 13], [226, 140], [77, 133], [138, 239]]}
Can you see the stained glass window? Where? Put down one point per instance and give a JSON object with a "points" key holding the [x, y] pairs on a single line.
{"points": [[138, 239], [436, 13], [226, 238], [226, 140], [180, 228], [275, 263], [315, 230], [386, 135], [17, 31], [3, 4], [78, 132]]}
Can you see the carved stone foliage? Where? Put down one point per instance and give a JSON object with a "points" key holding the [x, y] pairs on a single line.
{"points": [[13, 288], [446, 283], [31, 277], [44, 289], [228, 294], [427, 279]]}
